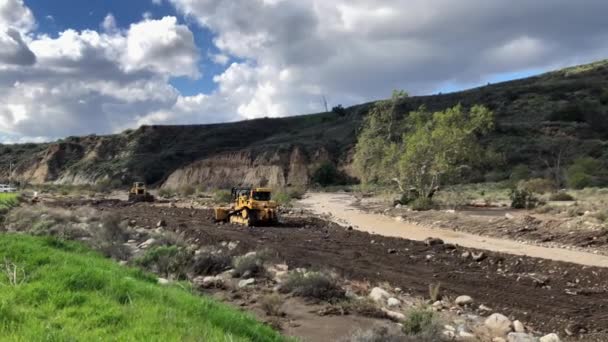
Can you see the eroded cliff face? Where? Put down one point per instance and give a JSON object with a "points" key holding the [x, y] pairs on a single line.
{"points": [[273, 169]]}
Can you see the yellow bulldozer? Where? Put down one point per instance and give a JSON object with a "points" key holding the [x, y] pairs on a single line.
{"points": [[250, 207], [139, 193]]}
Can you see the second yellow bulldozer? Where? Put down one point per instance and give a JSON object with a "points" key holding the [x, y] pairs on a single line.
{"points": [[139, 193], [250, 207]]}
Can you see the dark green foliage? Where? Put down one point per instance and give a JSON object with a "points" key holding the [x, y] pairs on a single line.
{"points": [[327, 174], [313, 285], [341, 111], [421, 322], [586, 172], [422, 204], [561, 196], [211, 263], [167, 261], [523, 199], [519, 173]]}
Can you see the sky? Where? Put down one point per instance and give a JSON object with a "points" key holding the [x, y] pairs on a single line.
{"points": [[73, 67]]}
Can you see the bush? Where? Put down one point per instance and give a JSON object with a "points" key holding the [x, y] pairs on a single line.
{"points": [[166, 192], [211, 263], [284, 197], [362, 306], [327, 174], [250, 265], [523, 199], [271, 304], [537, 185], [422, 204], [313, 285], [168, 261], [379, 334], [423, 325], [187, 190], [561, 196], [585, 172], [519, 173], [341, 111]]}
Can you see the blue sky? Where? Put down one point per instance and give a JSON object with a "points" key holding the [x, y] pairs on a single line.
{"points": [[64, 73]]}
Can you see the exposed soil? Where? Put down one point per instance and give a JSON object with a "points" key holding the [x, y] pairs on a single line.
{"points": [[549, 296]]}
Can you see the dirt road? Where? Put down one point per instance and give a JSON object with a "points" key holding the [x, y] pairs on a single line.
{"points": [[341, 210]]}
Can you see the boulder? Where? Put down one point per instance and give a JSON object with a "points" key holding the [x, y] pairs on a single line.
{"points": [[520, 337], [246, 282], [147, 243], [393, 315], [433, 241], [208, 282], [498, 324], [479, 256], [163, 281], [161, 223], [518, 327], [550, 338], [393, 302], [379, 295], [463, 300]]}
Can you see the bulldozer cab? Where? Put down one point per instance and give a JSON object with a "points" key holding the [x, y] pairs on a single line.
{"points": [[248, 197], [139, 188]]}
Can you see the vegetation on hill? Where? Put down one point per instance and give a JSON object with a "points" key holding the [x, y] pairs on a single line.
{"points": [[51, 290], [544, 122]]}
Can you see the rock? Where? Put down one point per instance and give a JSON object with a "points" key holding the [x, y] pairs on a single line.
{"points": [[549, 338], [161, 223], [449, 335], [433, 241], [132, 223], [498, 339], [392, 302], [449, 328], [378, 295], [398, 206], [498, 324], [463, 300], [465, 255], [392, 251], [393, 315], [479, 256], [466, 336], [163, 281], [246, 282], [438, 305], [232, 245], [509, 216], [147, 243], [399, 219], [485, 308], [208, 282], [451, 211], [518, 327], [520, 337]]}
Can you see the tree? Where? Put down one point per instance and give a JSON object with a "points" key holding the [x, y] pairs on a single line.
{"points": [[437, 145], [378, 145]]}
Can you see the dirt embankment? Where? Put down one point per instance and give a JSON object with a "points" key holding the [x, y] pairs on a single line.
{"points": [[546, 295]]}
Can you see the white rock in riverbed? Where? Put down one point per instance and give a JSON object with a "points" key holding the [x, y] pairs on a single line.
{"points": [[378, 295], [392, 302], [463, 300], [520, 337], [518, 327], [550, 338], [498, 324]]}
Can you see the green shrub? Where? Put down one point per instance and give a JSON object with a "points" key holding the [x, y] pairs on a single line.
{"points": [[561, 196], [211, 263], [167, 261], [585, 172], [166, 192], [523, 199], [327, 174], [422, 204], [187, 190], [537, 185], [250, 265], [520, 172], [422, 324], [285, 197], [313, 285]]}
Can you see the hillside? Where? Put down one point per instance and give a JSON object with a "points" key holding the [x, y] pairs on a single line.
{"points": [[558, 114]]}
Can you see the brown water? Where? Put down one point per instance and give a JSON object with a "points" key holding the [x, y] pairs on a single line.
{"points": [[341, 209]]}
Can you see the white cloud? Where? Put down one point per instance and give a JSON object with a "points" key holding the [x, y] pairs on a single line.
{"points": [[359, 50], [93, 82]]}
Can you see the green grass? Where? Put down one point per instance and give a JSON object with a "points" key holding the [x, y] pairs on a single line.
{"points": [[8, 200], [66, 292]]}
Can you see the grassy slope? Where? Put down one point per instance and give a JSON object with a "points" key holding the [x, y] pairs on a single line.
{"points": [[8, 201], [71, 293]]}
